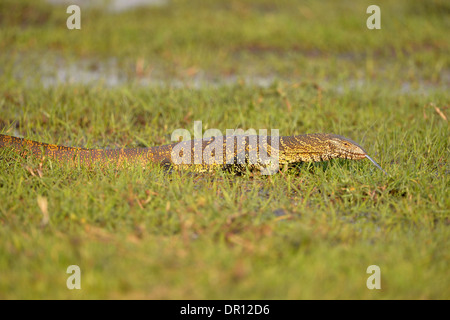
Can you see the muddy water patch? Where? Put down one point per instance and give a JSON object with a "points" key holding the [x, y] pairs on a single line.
{"points": [[49, 69], [111, 5]]}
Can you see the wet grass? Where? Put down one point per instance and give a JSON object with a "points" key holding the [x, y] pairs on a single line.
{"points": [[308, 232]]}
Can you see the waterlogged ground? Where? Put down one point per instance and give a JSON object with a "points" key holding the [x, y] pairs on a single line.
{"points": [[136, 72]]}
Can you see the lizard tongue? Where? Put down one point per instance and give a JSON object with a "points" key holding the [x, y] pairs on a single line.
{"points": [[376, 164]]}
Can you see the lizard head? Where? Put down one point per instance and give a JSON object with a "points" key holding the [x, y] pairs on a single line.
{"points": [[346, 148]]}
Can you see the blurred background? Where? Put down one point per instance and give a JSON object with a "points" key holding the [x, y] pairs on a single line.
{"points": [[215, 42]]}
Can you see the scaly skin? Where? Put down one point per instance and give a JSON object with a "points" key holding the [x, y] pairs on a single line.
{"points": [[291, 149]]}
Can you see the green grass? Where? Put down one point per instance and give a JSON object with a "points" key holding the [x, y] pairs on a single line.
{"points": [[309, 232]]}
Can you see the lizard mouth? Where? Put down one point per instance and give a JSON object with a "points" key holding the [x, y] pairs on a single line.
{"points": [[359, 156], [352, 155]]}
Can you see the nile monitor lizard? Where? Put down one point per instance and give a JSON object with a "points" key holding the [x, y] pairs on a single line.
{"points": [[205, 154]]}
